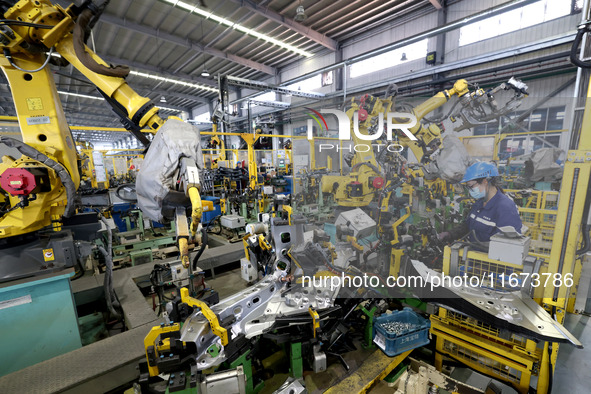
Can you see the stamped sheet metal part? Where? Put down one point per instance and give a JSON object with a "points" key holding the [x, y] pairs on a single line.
{"points": [[251, 312], [513, 310]]}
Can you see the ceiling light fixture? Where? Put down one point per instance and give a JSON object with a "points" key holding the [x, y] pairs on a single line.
{"points": [[300, 13], [163, 79], [80, 95], [223, 21], [169, 109], [204, 73], [100, 98]]}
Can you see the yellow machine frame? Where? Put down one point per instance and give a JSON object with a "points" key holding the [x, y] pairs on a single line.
{"points": [[497, 138], [482, 347], [88, 168], [38, 102]]}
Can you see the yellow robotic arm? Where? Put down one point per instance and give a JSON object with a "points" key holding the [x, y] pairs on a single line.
{"points": [[356, 189], [426, 135], [47, 175]]}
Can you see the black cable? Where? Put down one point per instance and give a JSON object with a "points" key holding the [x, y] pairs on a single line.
{"points": [[586, 241], [574, 56], [219, 222], [4, 212], [23, 23], [118, 190], [201, 249], [110, 296], [8, 57], [476, 245], [158, 287], [108, 283], [212, 221]]}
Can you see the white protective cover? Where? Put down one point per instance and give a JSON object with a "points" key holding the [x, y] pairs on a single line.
{"points": [[158, 173], [451, 163], [544, 167]]}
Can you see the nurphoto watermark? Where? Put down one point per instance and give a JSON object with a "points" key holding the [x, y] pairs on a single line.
{"points": [[386, 126]]}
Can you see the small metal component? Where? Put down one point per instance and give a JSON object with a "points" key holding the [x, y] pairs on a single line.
{"points": [[190, 173], [318, 359], [398, 328], [292, 386], [231, 381]]}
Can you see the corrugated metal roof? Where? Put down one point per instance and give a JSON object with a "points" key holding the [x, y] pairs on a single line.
{"points": [[157, 37]]}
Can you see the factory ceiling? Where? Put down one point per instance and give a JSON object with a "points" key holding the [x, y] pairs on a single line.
{"points": [[168, 44]]}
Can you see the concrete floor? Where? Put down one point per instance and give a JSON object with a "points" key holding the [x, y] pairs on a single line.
{"points": [[227, 283], [573, 367]]}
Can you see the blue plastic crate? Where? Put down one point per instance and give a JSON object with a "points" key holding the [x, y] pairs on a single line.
{"points": [[208, 216], [394, 344]]}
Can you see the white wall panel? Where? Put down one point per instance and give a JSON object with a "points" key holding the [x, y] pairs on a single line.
{"points": [[305, 66], [367, 42], [530, 34]]}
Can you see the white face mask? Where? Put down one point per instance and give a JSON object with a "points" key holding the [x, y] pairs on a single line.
{"points": [[476, 193]]}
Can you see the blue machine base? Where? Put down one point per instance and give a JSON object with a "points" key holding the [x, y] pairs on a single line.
{"points": [[38, 321]]}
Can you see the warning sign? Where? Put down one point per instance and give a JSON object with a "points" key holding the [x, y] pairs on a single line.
{"points": [[48, 255]]}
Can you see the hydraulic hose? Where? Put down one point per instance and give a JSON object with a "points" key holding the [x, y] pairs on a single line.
{"points": [[108, 281], [61, 171], [85, 58], [586, 241], [121, 187]]}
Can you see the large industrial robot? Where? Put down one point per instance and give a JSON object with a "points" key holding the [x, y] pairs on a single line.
{"points": [[367, 177], [38, 190]]}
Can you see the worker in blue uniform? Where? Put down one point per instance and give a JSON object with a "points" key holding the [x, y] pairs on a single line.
{"points": [[493, 208]]}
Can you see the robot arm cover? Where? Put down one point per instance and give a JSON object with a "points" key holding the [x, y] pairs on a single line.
{"points": [[159, 171]]}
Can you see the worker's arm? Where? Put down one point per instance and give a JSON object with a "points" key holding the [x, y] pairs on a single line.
{"points": [[455, 233]]}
